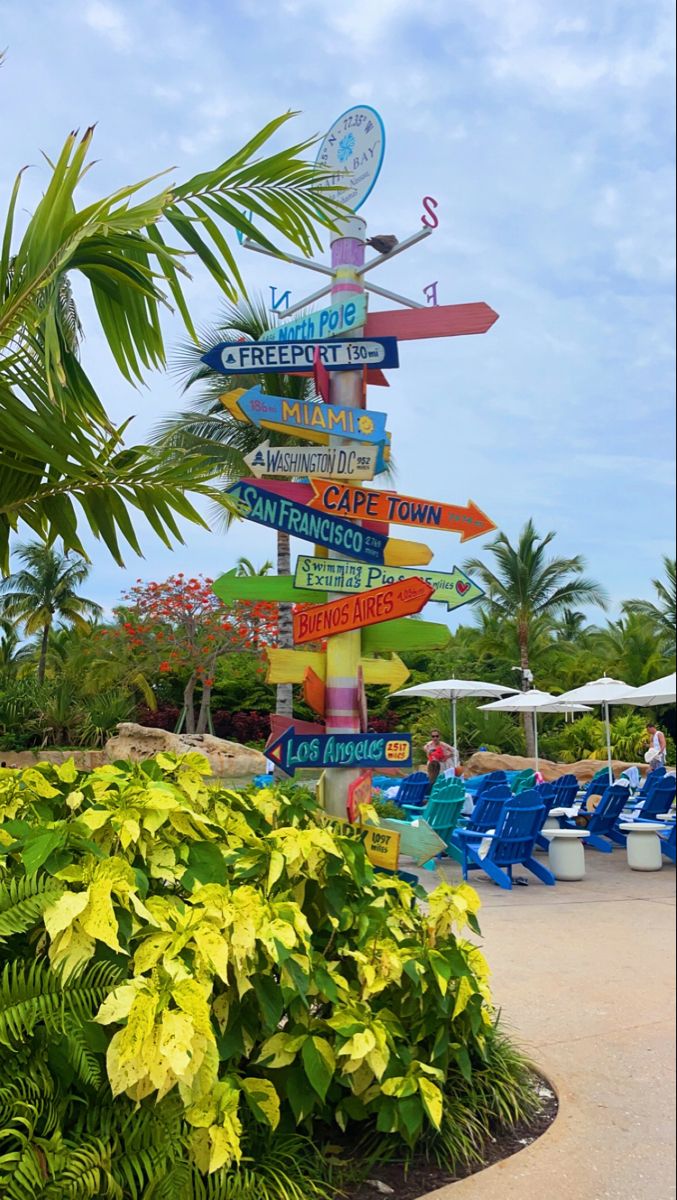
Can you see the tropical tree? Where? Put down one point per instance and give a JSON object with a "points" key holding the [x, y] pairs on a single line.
{"points": [[13, 653], [663, 611], [631, 650], [524, 586], [209, 429], [246, 567], [44, 590], [61, 458], [570, 625]]}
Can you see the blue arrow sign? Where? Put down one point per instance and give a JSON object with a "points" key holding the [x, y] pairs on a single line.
{"points": [[302, 416], [292, 750], [276, 512], [336, 354]]}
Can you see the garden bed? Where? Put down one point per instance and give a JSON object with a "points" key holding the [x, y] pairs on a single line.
{"points": [[421, 1177]]}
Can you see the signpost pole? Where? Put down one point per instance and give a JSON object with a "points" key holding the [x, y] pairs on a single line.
{"points": [[343, 649]]}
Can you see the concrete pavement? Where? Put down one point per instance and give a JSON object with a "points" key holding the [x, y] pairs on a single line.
{"points": [[584, 974]]}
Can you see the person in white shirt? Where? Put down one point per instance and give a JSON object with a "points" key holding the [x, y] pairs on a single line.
{"points": [[658, 744]]}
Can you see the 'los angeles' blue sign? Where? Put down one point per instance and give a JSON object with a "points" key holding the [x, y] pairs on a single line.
{"points": [[277, 512], [292, 750]]}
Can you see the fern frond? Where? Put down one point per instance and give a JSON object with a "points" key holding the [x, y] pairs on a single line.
{"points": [[83, 1059], [33, 993], [86, 1175], [23, 901]]}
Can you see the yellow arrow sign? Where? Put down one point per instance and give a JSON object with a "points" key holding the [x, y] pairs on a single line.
{"points": [[230, 401], [290, 666]]}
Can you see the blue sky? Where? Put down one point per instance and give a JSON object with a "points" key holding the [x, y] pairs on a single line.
{"points": [[545, 131]]}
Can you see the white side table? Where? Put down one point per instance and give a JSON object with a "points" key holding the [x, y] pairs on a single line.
{"points": [[566, 854], [643, 844]]}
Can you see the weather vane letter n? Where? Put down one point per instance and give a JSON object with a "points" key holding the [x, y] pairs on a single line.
{"points": [[275, 304]]}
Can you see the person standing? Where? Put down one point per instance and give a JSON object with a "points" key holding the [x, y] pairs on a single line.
{"points": [[658, 745], [447, 759]]}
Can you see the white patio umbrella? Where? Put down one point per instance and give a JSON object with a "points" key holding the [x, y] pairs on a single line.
{"points": [[658, 691], [454, 690], [605, 692], [533, 702]]}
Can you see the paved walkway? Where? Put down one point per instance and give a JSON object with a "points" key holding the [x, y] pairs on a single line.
{"points": [[584, 973]]}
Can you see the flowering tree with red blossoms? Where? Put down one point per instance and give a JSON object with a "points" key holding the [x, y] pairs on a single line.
{"points": [[183, 627]]}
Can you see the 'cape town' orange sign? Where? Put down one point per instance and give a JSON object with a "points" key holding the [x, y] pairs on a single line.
{"points": [[399, 599], [341, 500]]}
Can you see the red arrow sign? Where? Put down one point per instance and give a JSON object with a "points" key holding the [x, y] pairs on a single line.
{"points": [[342, 500], [440, 320], [278, 724], [399, 599]]}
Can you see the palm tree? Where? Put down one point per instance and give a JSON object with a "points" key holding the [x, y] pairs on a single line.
{"points": [[61, 456], [663, 612], [208, 429], [43, 590], [12, 653], [246, 567], [525, 586], [570, 625], [631, 650]]}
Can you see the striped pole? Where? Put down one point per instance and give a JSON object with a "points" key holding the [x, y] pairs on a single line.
{"points": [[343, 649]]}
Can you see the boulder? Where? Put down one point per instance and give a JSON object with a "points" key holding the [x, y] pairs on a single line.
{"points": [[484, 761], [226, 759]]}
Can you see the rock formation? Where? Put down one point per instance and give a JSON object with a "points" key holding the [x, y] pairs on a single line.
{"points": [[226, 759]]}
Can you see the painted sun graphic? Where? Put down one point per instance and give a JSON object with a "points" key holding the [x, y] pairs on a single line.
{"points": [[365, 424]]}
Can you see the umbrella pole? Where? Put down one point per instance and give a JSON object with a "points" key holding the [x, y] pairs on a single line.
{"points": [[608, 741], [453, 731], [536, 737]]}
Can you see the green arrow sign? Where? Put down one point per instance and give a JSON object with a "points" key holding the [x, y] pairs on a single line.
{"points": [[404, 634], [417, 839], [278, 589], [452, 588]]}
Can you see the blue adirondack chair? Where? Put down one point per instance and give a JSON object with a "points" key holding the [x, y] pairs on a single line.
{"points": [[597, 786], [511, 845], [658, 801], [486, 813], [669, 841], [566, 788], [413, 790], [480, 783], [602, 831]]}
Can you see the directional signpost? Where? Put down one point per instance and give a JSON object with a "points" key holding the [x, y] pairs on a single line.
{"points": [[290, 666], [336, 354], [345, 501], [324, 462], [356, 612], [405, 635], [323, 575], [277, 512], [378, 579], [292, 750], [316, 422], [344, 317], [417, 839]]}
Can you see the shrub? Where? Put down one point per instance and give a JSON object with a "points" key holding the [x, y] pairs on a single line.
{"points": [[193, 980], [165, 716]]}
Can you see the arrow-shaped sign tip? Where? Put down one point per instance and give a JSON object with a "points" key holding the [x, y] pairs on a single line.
{"points": [[479, 523]]}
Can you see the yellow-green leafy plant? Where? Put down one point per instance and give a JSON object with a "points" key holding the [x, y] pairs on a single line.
{"points": [[191, 978]]}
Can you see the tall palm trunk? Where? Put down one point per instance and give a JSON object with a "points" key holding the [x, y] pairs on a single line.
{"points": [[527, 718], [42, 661]]}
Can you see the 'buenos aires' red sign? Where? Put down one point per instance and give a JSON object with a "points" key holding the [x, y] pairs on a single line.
{"points": [[400, 599]]}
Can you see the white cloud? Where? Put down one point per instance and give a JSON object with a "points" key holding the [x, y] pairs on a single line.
{"points": [[108, 20]]}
